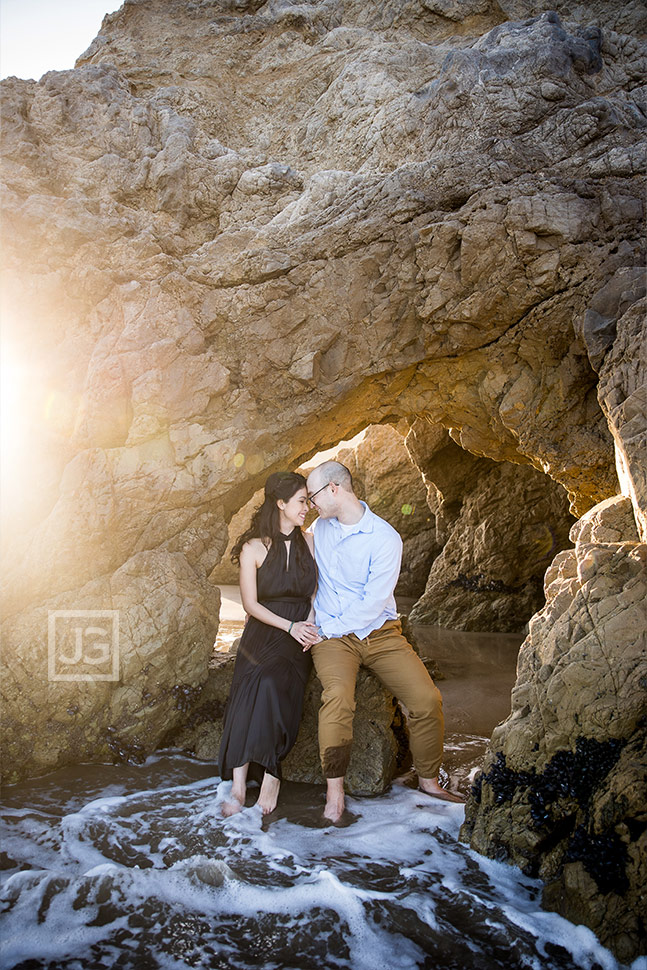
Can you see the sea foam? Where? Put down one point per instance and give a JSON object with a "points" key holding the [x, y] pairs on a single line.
{"points": [[155, 877]]}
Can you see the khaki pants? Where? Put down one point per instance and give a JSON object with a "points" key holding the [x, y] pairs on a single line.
{"points": [[394, 661]]}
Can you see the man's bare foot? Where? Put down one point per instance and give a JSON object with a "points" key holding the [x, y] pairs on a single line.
{"points": [[431, 787], [335, 803], [269, 793], [334, 809]]}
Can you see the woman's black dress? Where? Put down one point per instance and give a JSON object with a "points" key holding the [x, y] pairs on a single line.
{"points": [[264, 708]]}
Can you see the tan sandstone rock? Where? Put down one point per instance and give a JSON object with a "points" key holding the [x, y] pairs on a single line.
{"points": [[499, 526], [236, 235], [623, 396], [140, 662], [561, 793]]}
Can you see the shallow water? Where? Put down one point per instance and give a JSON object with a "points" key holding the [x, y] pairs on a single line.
{"points": [[133, 867]]}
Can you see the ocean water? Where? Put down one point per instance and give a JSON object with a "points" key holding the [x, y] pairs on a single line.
{"points": [[134, 867]]}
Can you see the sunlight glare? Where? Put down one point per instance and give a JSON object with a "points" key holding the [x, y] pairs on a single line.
{"points": [[14, 379]]}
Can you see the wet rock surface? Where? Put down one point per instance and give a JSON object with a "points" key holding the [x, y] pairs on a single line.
{"points": [[562, 792]]}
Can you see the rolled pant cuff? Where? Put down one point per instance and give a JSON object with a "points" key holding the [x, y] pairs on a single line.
{"points": [[426, 771], [334, 761]]}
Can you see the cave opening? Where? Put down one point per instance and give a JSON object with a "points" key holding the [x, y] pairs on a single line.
{"points": [[478, 534]]}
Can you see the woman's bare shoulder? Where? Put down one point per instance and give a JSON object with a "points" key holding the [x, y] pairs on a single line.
{"points": [[254, 549]]}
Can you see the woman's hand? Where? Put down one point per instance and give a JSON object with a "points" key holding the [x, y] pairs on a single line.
{"points": [[305, 633]]}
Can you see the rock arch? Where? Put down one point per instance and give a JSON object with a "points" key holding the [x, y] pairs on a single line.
{"points": [[237, 236]]}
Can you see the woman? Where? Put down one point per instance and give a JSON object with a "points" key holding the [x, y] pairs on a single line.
{"points": [[277, 583]]}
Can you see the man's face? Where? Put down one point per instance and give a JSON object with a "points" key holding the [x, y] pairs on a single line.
{"points": [[320, 497]]}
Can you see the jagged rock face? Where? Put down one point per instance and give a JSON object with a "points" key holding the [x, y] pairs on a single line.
{"points": [[142, 661], [499, 525], [438, 274], [239, 233], [563, 790], [623, 395]]}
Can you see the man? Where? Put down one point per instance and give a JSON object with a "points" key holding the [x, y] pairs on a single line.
{"points": [[358, 556]]}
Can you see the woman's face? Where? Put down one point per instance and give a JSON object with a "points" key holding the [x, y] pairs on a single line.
{"points": [[295, 509]]}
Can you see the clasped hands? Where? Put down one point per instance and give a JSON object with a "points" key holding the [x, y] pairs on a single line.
{"points": [[306, 633]]}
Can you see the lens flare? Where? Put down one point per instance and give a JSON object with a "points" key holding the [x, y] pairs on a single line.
{"points": [[14, 381]]}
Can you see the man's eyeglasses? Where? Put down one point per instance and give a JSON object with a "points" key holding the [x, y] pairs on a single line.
{"points": [[314, 494]]}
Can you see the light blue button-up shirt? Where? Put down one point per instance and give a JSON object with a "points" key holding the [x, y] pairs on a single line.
{"points": [[358, 571]]}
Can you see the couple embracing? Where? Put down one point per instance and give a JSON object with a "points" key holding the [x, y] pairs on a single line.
{"points": [[339, 614]]}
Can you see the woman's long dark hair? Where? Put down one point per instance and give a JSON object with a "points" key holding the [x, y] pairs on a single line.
{"points": [[266, 520]]}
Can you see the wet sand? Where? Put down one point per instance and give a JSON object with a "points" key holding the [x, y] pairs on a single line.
{"points": [[479, 671]]}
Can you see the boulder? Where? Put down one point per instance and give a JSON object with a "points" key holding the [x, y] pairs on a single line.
{"points": [[108, 677], [380, 739], [562, 791]]}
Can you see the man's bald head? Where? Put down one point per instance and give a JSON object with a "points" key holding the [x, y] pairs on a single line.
{"points": [[330, 471]]}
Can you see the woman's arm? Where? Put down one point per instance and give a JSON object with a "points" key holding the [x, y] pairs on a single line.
{"points": [[251, 557]]}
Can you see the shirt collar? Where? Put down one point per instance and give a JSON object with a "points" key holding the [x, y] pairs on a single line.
{"points": [[365, 524]]}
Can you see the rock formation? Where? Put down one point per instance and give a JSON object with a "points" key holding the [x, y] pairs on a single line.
{"points": [[380, 738], [498, 525], [238, 233], [564, 789], [165, 622]]}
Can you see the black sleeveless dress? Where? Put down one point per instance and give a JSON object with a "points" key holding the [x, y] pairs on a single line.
{"points": [[263, 712]]}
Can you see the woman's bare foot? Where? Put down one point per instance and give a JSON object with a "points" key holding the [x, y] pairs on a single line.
{"points": [[430, 786], [236, 801], [231, 806], [335, 803], [269, 793]]}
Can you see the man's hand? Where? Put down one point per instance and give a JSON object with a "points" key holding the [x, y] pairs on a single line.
{"points": [[305, 633]]}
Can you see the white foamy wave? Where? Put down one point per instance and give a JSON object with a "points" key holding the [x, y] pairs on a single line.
{"points": [[155, 878]]}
